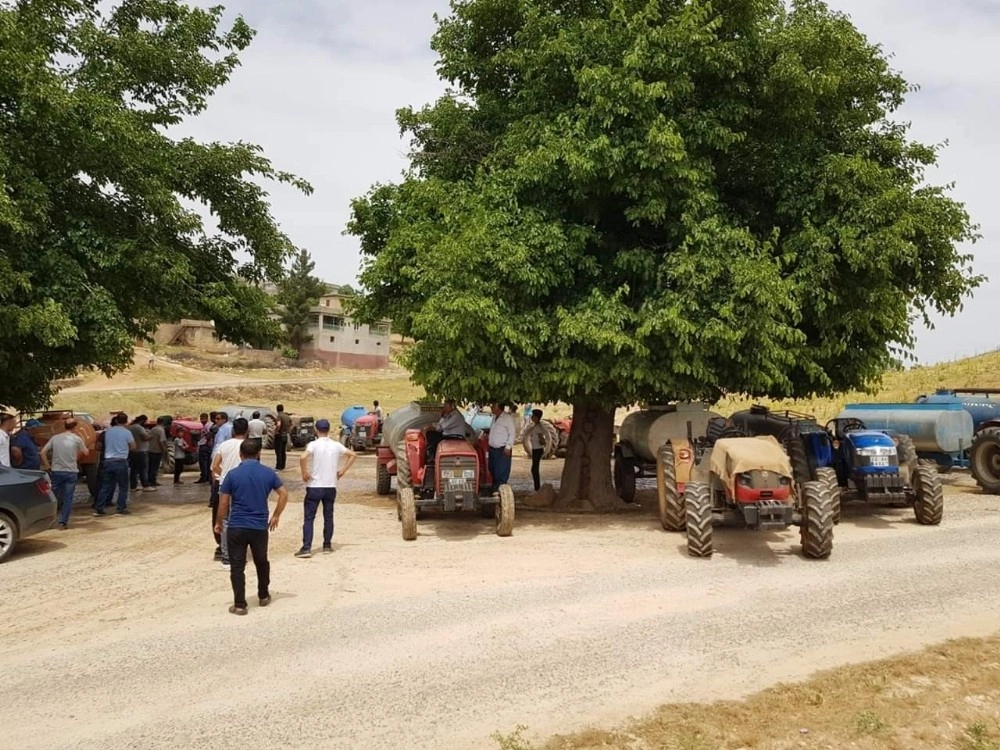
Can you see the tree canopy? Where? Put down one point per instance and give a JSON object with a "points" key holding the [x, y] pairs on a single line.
{"points": [[298, 294], [101, 234], [621, 200]]}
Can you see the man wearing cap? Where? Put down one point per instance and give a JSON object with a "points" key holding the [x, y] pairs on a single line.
{"points": [[320, 466], [61, 458], [25, 443], [7, 423]]}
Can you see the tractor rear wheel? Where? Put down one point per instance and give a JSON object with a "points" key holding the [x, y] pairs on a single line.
{"points": [[698, 519], [929, 505], [828, 478], [984, 457], [270, 429], [383, 481], [408, 513], [671, 503], [505, 511], [550, 439], [625, 478], [816, 530], [93, 478], [800, 462]]}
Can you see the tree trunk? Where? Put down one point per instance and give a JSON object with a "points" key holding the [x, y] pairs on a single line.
{"points": [[586, 477]]}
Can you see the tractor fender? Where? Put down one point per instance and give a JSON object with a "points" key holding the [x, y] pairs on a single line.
{"points": [[987, 425]]}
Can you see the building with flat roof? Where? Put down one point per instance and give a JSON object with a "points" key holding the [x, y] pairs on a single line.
{"points": [[340, 342]]}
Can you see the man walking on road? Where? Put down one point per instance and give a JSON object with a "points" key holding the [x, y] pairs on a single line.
{"points": [[243, 499], [281, 430], [61, 458], [320, 465], [503, 430], [118, 442], [226, 459]]}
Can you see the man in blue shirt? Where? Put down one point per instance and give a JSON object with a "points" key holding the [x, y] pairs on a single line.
{"points": [[29, 451], [118, 441], [243, 499]]}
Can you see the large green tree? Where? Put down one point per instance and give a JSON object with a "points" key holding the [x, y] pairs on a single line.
{"points": [[298, 294], [101, 229], [627, 200]]}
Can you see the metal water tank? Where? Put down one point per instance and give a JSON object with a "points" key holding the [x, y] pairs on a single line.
{"points": [[647, 430], [934, 428], [982, 405], [350, 414]]}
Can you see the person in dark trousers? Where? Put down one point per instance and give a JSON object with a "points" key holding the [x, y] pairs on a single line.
{"points": [[158, 445], [503, 430], [138, 457], [243, 499], [180, 453], [205, 447], [220, 434], [281, 430], [536, 439], [321, 469]]}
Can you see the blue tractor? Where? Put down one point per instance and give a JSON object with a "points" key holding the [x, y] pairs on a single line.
{"points": [[882, 469], [983, 452]]}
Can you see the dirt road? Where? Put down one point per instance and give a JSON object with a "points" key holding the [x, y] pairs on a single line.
{"points": [[115, 633]]}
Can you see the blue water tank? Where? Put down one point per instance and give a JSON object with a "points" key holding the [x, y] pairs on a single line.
{"points": [[981, 406], [479, 420], [350, 414], [934, 428]]}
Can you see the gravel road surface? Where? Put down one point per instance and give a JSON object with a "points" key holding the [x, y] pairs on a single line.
{"points": [[115, 634]]}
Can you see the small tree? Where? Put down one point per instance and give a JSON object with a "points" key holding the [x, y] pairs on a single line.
{"points": [[298, 294], [628, 200]]}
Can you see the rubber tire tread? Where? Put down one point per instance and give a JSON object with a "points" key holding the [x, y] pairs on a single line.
{"points": [[907, 454], [93, 476], [671, 504], [698, 519], [828, 477], [408, 513], [505, 511], [625, 479], [929, 505], [816, 531], [270, 430], [383, 480], [990, 437], [801, 470]]}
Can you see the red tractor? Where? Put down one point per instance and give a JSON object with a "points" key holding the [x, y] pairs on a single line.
{"points": [[365, 434], [457, 478]]}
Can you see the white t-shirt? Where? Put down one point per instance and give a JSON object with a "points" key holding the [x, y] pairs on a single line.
{"points": [[4, 449], [256, 428], [230, 452], [325, 454]]}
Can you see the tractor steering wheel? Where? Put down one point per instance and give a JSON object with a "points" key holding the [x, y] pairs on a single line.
{"points": [[842, 426]]}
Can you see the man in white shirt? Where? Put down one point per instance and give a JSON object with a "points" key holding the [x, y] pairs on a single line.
{"points": [[256, 429], [320, 466], [377, 411], [227, 457], [503, 431], [7, 423]]}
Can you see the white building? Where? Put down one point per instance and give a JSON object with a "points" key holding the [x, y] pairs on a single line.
{"points": [[339, 341]]}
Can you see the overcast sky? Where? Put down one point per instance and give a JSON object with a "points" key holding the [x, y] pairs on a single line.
{"points": [[320, 84]]}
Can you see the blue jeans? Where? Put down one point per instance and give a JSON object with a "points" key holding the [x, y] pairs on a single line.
{"points": [[114, 474], [63, 487], [499, 467], [315, 496]]}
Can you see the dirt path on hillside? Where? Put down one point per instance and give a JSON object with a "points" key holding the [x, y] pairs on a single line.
{"points": [[115, 633], [226, 382]]}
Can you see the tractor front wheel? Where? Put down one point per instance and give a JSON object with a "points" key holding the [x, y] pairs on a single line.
{"points": [[828, 478], [505, 511], [816, 531], [408, 513], [670, 501], [929, 505], [698, 519]]}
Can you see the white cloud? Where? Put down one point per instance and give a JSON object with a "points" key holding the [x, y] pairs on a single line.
{"points": [[320, 84]]}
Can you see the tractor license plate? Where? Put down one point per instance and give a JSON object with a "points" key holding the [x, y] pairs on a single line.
{"points": [[456, 484], [880, 460], [362, 433]]}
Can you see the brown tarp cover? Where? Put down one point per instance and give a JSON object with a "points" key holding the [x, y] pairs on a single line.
{"points": [[732, 456]]}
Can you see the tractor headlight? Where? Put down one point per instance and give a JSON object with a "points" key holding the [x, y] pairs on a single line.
{"points": [[784, 482], [745, 479]]}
